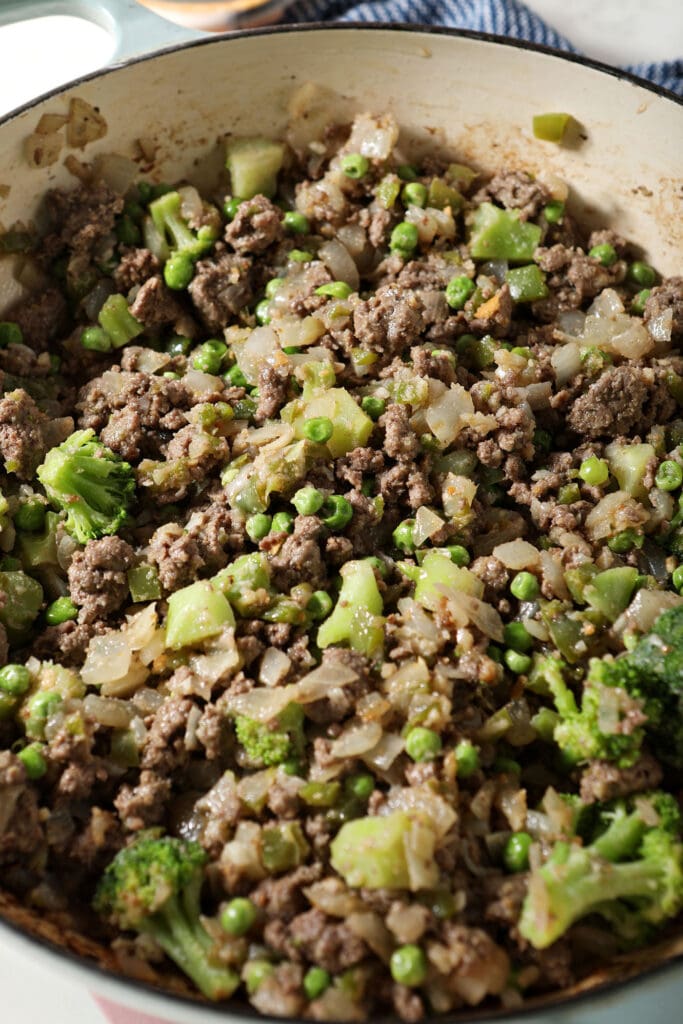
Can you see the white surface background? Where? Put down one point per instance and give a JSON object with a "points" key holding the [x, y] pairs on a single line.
{"points": [[39, 55]]}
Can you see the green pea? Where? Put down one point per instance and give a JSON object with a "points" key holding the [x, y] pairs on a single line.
{"points": [[127, 231], [318, 429], [414, 194], [524, 586], [96, 339], [178, 346], [316, 980], [273, 285], [14, 680], [403, 535], [543, 440], [262, 312], [639, 301], [308, 500], [296, 223], [33, 760], [319, 605], [337, 512], [407, 172], [642, 274], [516, 852], [300, 255], [283, 522], [178, 271], [554, 212], [594, 471], [605, 254], [320, 794], [516, 662], [144, 191], [404, 238], [230, 207], [360, 786], [10, 334], [258, 526], [61, 610], [507, 766], [354, 165], [238, 916], [335, 290], [669, 476], [235, 377], [676, 579], [467, 758], [373, 407], [423, 744], [459, 555], [458, 291], [408, 965], [244, 409], [39, 707], [255, 973], [208, 358], [30, 516], [517, 636]]}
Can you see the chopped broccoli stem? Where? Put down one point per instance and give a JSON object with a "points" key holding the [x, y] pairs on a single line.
{"points": [[92, 484], [370, 852], [153, 887], [254, 165], [22, 599], [357, 614], [196, 613]]}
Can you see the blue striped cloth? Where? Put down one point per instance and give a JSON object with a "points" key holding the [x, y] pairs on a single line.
{"points": [[501, 17]]}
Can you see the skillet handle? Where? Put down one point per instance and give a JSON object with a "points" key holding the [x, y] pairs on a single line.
{"points": [[134, 29]]}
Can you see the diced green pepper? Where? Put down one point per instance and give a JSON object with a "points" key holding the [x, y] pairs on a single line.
{"points": [[527, 284], [441, 195], [551, 127], [143, 583], [500, 235], [387, 191], [610, 591], [283, 847], [196, 613]]}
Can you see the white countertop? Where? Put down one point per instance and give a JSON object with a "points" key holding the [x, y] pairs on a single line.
{"points": [[41, 54]]}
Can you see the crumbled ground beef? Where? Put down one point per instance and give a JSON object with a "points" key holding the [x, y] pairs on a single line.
{"points": [[256, 225], [389, 322], [98, 581], [624, 400], [515, 190], [136, 267], [23, 429]]}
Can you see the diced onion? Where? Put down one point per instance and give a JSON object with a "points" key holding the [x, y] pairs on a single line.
{"points": [[427, 523], [356, 740], [340, 263], [517, 554], [645, 609], [370, 927], [384, 753], [566, 361], [118, 171], [261, 347], [114, 714], [444, 414], [660, 326], [553, 574], [274, 666], [374, 137]]}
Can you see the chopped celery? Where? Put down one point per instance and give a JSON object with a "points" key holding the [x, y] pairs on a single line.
{"points": [[370, 852], [527, 284], [196, 613], [143, 583], [460, 174], [283, 847], [387, 191], [254, 164], [22, 600], [610, 591], [246, 584], [437, 573], [577, 580], [358, 606], [117, 320], [500, 235], [351, 426], [628, 463], [551, 127]]}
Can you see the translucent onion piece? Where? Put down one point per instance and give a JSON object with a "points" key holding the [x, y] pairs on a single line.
{"points": [[566, 361], [264, 704], [427, 523], [517, 554], [374, 137], [114, 714], [274, 666], [444, 414], [340, 263], [356, 740], [645, 609], [660, 326]]}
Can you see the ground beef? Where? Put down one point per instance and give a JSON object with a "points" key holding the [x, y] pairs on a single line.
{"points": [[151, 398], [273, 382], [165, 748], [341, 700], [98, 581], [283, 897], [176, 555], [125, 434], [368, 527], [493, 316], [155, 306], [218, 532], [221, 288], [256, 225], [572, 278], [400, 440], [299, 559], [602, 780], [41, 318], [624, 400], [667, 295], [23, 430], [437, 365], [134, 268], [143, 805], [21, 831], [321, 940], [389, 322], [81, 217], [359, 462], [66, 643], [475, 956], [515, 190]]}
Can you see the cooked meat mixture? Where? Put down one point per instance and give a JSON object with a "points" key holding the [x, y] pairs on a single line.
{"points": [[341, 627]]}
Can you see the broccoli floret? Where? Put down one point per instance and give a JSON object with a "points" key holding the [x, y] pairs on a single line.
{"points": [[153, 887], [93, 485], [166, 230], [593, 729], [272, 743], [634, 895], [652, 672]]}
